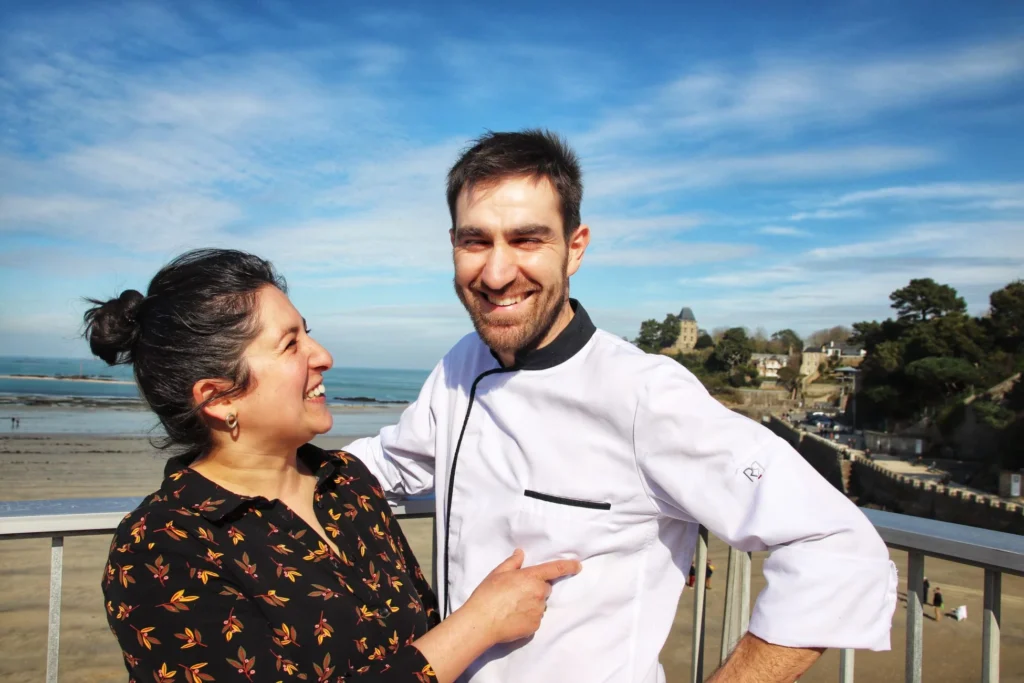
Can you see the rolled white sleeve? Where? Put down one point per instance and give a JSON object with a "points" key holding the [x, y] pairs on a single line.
{"points": [[401, 456], [830, 580]]}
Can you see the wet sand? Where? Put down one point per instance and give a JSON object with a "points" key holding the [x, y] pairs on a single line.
{"points": [[63, 466]]}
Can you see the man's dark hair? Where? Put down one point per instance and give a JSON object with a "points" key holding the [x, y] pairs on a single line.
{"points": [[195, 322], [533, 153]]}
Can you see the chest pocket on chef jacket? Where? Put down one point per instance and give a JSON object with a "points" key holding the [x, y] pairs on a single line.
{"points": [[551, 527]]}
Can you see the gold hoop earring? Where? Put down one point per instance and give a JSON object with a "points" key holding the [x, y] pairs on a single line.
{"points": [[231, 421]]}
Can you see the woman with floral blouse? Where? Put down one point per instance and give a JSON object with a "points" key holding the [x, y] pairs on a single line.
{"points": [[262, 557]]}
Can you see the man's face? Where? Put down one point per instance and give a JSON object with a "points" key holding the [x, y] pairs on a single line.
{"points": [[512, 262]]}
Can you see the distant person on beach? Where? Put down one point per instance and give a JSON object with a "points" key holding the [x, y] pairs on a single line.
{"points": [[263, 557], [543, 432], [938, 603], [926, 585]]}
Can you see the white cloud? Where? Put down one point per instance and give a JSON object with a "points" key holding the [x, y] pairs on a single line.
{"points": [[783, 93], [657, 177], [975, 195], [783, 231], [825, 214], [674, 254]]}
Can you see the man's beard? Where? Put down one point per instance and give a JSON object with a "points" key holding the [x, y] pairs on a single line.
{"points": [[522, 335]]}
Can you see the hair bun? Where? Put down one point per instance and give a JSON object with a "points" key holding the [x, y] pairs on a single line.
{"points": [[112, 327]]}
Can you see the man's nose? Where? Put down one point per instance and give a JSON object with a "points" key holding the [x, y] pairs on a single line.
{"points": [[500, 269]]}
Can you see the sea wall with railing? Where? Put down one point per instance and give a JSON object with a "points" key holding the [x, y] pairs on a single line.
{"points": [[871, 483]]}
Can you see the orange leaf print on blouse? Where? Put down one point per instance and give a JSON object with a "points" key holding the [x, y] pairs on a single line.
{"points": [[163, 675], [272, 598], [360, 645], [235, 535], [194, 675], [206, 535], [287, 572], [246, 566], [145, 640], [320, 553], [123, 611], [286, 665], [178, 602], [324, 674], [124, 576], [286, 635], [281, 549], [322, 630], [159, 570], [245, 665], [231, 626], [191, 638], [323, 592], [426, 674], [173, 532], [205, 575], [213, 558], [138, 530]]}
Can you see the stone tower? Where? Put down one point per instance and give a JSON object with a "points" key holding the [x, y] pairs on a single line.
{"points": [[688, 332]]}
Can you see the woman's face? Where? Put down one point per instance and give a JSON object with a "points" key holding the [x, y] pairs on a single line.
{"points": [[286, 405]]}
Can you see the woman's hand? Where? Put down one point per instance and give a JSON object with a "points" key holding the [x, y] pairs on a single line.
{"points": [[511, 600]]}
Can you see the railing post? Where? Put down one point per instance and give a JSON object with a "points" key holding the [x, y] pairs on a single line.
{"points": [[915, 616], [745, 567], [53, 626], [730, 623], [846, 666], [990, 626], [699, 608]]}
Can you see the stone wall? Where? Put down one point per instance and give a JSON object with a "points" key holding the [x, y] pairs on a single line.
{"points": [[871, 483]]}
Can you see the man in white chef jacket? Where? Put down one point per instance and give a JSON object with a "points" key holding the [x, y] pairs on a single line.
{"points": [[541, 432]]}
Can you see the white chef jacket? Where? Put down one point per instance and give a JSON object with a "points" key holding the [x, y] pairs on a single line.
{"points": [[591, 449]]}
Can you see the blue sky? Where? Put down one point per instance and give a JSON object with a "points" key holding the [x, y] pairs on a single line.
{"points": [[767, 164]]}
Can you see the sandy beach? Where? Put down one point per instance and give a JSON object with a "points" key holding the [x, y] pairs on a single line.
{"points": [[68, 466]]}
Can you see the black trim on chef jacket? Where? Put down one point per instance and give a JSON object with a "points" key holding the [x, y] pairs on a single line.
{"points": [[567, 344], [571, 502]]}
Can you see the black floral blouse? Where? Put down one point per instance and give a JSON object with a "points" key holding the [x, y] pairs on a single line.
{"points": [[205, 585]]}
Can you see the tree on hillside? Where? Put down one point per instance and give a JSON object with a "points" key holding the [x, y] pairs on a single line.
{"points": [[704, 341], [655, 336], [1006, 317], [942, 378], [924, 299], [731, 352], [787, 339], [838, 334]]}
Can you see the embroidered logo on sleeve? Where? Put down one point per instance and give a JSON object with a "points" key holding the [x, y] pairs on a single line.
{"points": [[754, 471]]}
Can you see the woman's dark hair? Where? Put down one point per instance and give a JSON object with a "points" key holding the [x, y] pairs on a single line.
{"points": [[195, 321], [533, 153]]}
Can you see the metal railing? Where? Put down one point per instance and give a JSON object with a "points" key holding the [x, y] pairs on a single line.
{"points": [[996, 552]]}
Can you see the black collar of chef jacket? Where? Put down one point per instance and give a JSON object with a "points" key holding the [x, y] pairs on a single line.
{"points": [[216, 503], [567, 344]]}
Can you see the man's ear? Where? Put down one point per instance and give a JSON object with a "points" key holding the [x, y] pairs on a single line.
{"points": [[577, 246], [205, 389]]}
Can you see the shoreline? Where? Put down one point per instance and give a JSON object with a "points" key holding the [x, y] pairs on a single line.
{"points": [[33, 401], [71, 378]]}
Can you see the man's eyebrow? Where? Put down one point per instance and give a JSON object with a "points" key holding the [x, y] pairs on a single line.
{"points": [[470, 231], [528, 230], [532, 230]]}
